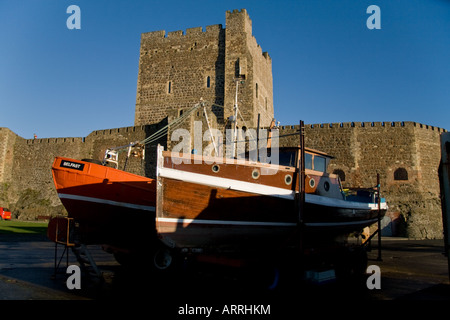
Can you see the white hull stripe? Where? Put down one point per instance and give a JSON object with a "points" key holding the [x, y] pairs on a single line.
{"points": [[226, 183], [108, 202], [261, 223], [225, 222], [249, 187]]}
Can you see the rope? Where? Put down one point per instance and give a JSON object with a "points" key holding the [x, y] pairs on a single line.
{"points": [[175, 123], [163, 131]]}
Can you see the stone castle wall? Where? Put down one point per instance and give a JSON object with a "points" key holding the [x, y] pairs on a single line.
{"points": [[26, 184], [176, 70], [391, 149]]}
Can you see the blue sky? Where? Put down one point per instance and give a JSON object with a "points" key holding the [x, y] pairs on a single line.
{"points": [[327, 65]]}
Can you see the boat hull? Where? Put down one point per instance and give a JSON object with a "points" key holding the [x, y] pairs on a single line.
{"points": [[195, 215], [228, 212], [110, 206]]}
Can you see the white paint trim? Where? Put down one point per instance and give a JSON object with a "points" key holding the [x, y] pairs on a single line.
{"points": [[225, 222], [108, 202], [226, 183], [249, 187]]}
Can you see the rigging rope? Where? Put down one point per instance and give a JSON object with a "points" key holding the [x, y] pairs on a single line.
{"points": [[161, 132], [176, 122]]}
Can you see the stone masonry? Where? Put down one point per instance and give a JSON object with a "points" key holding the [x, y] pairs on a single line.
{"points": [[178, 69], [406, 155]]}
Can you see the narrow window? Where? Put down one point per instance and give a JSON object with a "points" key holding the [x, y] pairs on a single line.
{"points": [[308, 161], [401, 174], [256, 90], [169, 87], [208, 81], [320, 163]]}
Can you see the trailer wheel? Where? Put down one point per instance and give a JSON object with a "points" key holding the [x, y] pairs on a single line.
{"points": [[163, 258], [275, 279]]}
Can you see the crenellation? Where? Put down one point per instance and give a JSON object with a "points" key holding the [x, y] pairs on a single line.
{"points": [[213, 29], [194, 31], [160, 34], [175, 34], [374, 124]]}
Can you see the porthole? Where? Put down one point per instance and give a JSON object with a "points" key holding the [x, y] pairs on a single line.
{"points": [[288, 179], [326, 186], [255, 174], [312, 183], [215, 168]]}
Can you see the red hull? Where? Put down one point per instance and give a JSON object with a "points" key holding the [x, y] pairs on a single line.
{"points": [[111, 206]]}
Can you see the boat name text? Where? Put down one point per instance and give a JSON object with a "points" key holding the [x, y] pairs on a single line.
{"points": [[72, 165]]}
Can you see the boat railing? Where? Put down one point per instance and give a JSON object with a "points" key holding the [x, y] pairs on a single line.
{"points": [[369, 195], [134, 149]]}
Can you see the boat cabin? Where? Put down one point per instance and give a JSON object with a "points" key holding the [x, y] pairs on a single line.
{"points": [[314, 159]]}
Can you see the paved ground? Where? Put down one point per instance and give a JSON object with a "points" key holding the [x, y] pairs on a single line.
{"points": [[410, 270]]}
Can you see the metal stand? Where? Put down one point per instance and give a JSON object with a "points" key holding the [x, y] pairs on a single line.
{"points": [[62, 231], [300, 197], [59, 232], [368, 242]]}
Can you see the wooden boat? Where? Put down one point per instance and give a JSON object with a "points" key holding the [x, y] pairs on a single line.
{"points": [[110, 206], [216, 204]]}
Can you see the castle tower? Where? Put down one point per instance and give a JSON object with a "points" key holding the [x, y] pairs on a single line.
{"points": [[177, 69], [244, 60]]}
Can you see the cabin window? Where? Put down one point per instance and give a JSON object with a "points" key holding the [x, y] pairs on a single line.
{"points": [[401, 174], [308, 161], [340, 173], [320, 163], [287, 158]]}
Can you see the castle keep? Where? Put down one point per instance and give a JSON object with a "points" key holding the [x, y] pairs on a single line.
{"points": [[176, 70]]}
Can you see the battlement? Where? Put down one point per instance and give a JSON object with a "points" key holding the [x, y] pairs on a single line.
{"points": [[118, 130], [239, 20], [53, 140], [211, 30], [377, 124], [105, 132], [238, 14]]}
